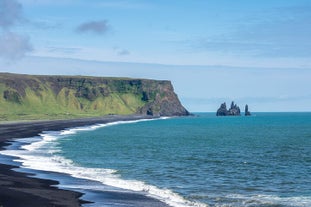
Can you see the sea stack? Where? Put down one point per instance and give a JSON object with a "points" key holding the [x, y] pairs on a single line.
{"points": [[247, 113], [222, 111], [233, 111]]}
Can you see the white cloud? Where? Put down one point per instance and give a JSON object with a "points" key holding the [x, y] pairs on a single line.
{"points": [[48, 2], [10, 13], [274, 33], [121, 52], [125, 4], [13, 46], [97, 27]]}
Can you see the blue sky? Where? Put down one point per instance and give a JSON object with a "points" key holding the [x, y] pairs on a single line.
{"points": [[255, 52]]}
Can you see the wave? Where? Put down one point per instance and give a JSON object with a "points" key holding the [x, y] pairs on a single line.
{"points": [[40, 153]]}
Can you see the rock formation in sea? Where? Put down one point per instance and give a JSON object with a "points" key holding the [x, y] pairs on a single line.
{"points": [[247, 113], [61, 97], [222, 111], [233, 111]]}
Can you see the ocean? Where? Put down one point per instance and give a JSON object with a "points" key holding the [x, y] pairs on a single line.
{"points": [[262, 160]]}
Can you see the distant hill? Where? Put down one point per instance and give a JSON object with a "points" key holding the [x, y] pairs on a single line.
{"points": [[31, 97]]}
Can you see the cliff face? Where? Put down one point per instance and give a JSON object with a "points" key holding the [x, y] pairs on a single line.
{"points": [[52, 97]]}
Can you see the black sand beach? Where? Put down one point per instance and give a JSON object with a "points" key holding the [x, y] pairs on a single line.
{"points": [[19, 190]]}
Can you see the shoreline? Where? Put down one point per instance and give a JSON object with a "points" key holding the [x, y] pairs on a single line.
{"points": [[18, 189]]}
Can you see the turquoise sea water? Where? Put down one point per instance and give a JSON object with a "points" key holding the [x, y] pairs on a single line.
{"points": [[263, 160]]}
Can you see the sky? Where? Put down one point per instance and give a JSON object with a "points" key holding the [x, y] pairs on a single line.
{"points": [[251, 52]]}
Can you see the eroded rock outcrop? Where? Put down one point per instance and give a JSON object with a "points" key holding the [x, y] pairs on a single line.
{"points": [[234, 110], [222, 111], [247, 113], [163, 103]]}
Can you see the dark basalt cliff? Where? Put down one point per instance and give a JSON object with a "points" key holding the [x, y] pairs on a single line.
{"points": [[52, 97]]}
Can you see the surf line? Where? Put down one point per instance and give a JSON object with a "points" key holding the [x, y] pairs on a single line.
{"points": [[40, 153]]}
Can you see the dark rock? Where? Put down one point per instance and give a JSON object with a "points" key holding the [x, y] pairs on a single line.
{"points": [[222, 111], [162, 101], [233, 111], [247, 113]]}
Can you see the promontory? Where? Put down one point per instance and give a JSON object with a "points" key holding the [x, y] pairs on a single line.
{"points": [[29, 97]]}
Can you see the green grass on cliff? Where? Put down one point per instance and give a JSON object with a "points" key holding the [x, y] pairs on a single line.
{"points": [[30, 97], [45, 105], [47, 108]]}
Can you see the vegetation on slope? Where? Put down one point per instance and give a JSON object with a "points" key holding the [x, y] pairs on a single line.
{"points": [[26, 97]]}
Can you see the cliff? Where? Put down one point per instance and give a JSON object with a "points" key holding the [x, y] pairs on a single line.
{"points": [[27, 97]]}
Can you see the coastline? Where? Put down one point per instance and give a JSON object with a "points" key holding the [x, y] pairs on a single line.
{"points": [[18, 189]]}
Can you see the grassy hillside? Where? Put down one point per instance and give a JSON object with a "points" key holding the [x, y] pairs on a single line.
{"points": [[26, 97]]}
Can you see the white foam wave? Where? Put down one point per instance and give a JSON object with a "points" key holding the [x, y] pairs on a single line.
{"points": [[40, 155], [96, 126]]}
